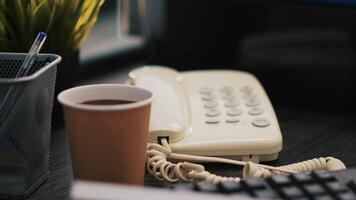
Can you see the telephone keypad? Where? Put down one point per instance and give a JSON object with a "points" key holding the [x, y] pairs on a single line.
{"points": [[246, 89], [228, 97], [255, 111], [232, 120], [210, 104], [231, 103], [206, 90], [252, 102], [260, 122], [213, 112], [227, 89], [208, 97], [212, 121], [234, 112], [249, 96]]}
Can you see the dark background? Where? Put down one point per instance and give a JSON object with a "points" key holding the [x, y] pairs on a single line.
{"points": [[303, 53]]}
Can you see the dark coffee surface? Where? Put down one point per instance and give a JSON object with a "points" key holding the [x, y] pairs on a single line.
{"points": [[108, 102]]}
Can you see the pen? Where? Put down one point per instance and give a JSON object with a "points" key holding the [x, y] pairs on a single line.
{"points": [[24, 70], [32, 54]]}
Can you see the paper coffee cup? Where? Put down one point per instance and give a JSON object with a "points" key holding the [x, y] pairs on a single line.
{"points": [[107, 142]]}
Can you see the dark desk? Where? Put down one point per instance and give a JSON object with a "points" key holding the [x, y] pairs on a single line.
{"points": [[307, 134]]}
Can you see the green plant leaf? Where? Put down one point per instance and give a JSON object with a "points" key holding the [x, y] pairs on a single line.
{"points": [[51, 19], [20, 21], [38, 7], [86, 22], [10, 32], [67, 22], [2, 29]]}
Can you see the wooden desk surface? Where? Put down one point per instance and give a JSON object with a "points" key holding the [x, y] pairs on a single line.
{"points": [[307, 134]]}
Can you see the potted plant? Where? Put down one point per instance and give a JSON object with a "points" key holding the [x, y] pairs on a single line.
{"points": [[66, 22]]}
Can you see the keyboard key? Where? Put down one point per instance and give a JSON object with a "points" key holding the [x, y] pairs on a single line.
{"points": [[347, 196], [302, 178], [324, 197], [352, 186], [303, 198], [324, 176], [280, 180], [292, 192], [336, 187], [265, 194], [230, 186], [314, 189], [254, 183]]}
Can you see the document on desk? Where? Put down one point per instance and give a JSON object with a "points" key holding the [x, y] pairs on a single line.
{"points": [[86, 190]]}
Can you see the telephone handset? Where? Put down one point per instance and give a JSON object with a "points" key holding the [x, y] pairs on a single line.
{"points": [[210, 116], [169, 113]]}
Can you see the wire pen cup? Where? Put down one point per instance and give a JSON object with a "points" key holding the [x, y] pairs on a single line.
{"points": [[25, 123]]}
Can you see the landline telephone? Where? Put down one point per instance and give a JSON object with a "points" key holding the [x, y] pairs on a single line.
{"points": [[213, 116]]}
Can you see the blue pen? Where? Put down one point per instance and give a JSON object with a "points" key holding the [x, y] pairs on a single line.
{"points": [[24, 70], [32, 54]]}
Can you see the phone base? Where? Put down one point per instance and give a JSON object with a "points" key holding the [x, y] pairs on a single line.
{"points": [[247, 158], [254, 158]]}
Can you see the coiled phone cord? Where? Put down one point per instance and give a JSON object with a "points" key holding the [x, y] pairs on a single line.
{"points": [[158, 165]]}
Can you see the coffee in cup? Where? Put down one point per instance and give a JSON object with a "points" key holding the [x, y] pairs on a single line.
{"points": [[107, 127]]}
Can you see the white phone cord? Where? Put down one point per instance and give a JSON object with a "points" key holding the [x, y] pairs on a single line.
{"points": [[158, 165]]}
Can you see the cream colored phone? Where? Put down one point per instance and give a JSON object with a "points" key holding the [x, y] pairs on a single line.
{"points": [[220, 113]]}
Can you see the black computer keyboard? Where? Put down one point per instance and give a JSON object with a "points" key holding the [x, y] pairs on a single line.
{"points": [[318, 185]]}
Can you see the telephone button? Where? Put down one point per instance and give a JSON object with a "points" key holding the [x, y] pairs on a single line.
{"points": [[260, 122], [234, 112], [212, 121], [229, 96], [231, 103], [227, 89], [247, 89], [213, 113], [208, 97], [206, 90], [249, 96], [232, 120], [210, 104], [255, 111], [252, 102]]}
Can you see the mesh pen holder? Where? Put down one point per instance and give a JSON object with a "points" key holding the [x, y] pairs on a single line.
{"points": [[25, 123]]}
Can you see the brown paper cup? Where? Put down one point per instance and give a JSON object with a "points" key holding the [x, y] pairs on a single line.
{"points": [[107, 142]]}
